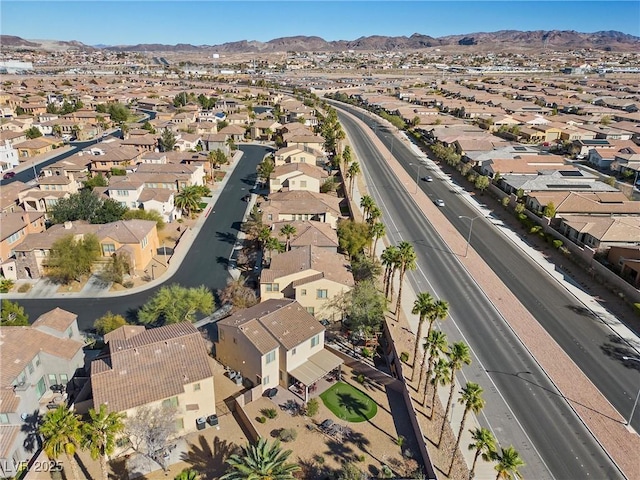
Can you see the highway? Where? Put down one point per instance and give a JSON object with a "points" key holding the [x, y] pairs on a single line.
{"points": [[523, 406], [204, 264]]}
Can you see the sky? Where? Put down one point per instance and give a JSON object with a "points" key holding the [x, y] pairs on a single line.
{"points": [[118, 22]]}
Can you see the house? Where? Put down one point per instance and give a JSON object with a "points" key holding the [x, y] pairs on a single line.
{"points": [[583, 203], [215, 141], [106, 158], [626, 261], [313, 142], [308, 232], [10, 196], [8, 157], [264, 129], [15, 228], [33, 359], [301, 205], [36, 146], [601, 232], [311, 275], [142, 143], [137, 240], [295, 154], [235, 132], [164, 366], [276, 342], [567, 179], [297, 176]]}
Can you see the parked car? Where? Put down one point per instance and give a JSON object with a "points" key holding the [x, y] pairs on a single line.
{"points": [[9, 175]]}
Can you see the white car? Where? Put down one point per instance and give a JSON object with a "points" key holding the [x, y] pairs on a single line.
{"points": [[439, 202], [427, 179]]}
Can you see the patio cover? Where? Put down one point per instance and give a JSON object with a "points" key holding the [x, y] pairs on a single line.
{"points": [[316, 367]]}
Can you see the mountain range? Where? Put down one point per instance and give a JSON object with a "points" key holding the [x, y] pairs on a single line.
{"points": [[503, 40]]}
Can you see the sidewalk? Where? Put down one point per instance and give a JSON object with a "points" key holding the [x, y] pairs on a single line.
{"points": [[598, 415]]}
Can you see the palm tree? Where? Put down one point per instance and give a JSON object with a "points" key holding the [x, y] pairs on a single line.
{"points": [[441, 373], [422, 306], [407, 262], [396, 262], [352, 173], [484, 444], [264, 234], [261, 461], [387, 257], [57, 130], [435, 345], [270, 245], [366, 202], [61, 433], [377, 230], [374, 214], [100, 434], [188, 200], [458, 355], [471, 398], [288, 231], [508, 463]]}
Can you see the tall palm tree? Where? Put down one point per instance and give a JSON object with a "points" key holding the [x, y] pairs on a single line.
{"points": [[377, 231], [61, 433], [441, 373], [407, 262], [422, 306], [352, 173], [374, 214], [270, 245], [261, 461], [188, 200], [459, 355], [508, 463], [436, 344], [471, 398], [387, 258], [366, 202], [288, 231], [100, 435], [396, 262], [484, 443]]}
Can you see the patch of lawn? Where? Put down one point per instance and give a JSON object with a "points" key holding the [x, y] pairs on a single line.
{"points": [[348, 403]]}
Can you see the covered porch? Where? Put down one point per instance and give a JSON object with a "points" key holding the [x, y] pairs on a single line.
{"points": [[306, 377]]}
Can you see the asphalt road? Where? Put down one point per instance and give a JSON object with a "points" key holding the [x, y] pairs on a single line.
{"points": [[204, 264], [523, 407]]}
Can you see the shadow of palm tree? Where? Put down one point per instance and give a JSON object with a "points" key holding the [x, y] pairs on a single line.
{"points": [[339, 450], [352, 404], [207, 461], [32, 441]]}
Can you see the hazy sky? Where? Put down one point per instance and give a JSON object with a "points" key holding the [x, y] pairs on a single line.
{"points": [[215, 22]]}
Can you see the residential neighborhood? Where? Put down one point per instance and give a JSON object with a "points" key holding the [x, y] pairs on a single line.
{"points": [[203, 259]]}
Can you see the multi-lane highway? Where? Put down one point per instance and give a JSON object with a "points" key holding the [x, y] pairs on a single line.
{"points": [[524, 408], [205, 264]]}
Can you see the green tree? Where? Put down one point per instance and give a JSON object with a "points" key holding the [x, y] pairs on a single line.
{"points": [[366, 203], [187, 474], [216, 158], [288, 231], [389, 259], [352, 173], [188, 200], [265, 169], [167, 140], [365, 308], [374, 214], [174, 303], [109, 211], [57, 130], [118, 266], [408, 258], [377, 230], [148, 127], [139, 214], [365, 268], [350, 471], [471, 399], [95, 181], [422, 306], [484, 443], [238, 294], [88, 206], [441, 375], [435, 345], [61, 433], [13, 315], [549, 210], [270, 245], [509, 462], [261, 461], [118, 112], [482, 182], [69, 259], [108, 323], [100, 433], [353, 237], [459, 355], [32, 132], [605, 120]]}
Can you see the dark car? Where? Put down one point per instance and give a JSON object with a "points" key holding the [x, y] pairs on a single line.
{"points": [[9, 175]]}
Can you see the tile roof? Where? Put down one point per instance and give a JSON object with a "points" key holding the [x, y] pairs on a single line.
{"points": [[8, 434], [606, 229], [57, 319], [150, 366], [9, 401], [333, 266], [123, 333], [286, 321], [308, 232], [303, 202]]}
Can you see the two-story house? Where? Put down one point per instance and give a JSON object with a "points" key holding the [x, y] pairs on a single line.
{"points": [[33, 359], [311, 275], [301, 205], [164, 366], [297, 176], [308, 232], [276, 342], [15, 228]]}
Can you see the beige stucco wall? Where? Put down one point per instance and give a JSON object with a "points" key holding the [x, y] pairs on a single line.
{"points": [[286, 289], [241, 356], [320, 306]]}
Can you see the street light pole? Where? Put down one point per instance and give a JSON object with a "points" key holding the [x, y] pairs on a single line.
{"points": [[466, 250], [635, 404], [417, 176]]}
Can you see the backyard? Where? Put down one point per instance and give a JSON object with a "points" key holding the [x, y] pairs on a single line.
{"points": [[348, 403]]}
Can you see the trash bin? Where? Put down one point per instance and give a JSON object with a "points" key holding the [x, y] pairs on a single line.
{"points": [[212, 420], [201, 423]]}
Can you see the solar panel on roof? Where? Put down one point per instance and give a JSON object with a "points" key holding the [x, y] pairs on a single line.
{"points": [[571, 186], [520, 149], [570, 173]]}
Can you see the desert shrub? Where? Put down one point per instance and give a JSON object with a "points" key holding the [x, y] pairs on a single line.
{"points": [[261, 419], [505, 202], [404, 356], [24, 288], [535, 229], [565, 251], [269, 412], [361, 457], [557, 243], [6, 284], [360, 378], [312, 407], [636, 308], [287, 435], [127, 284], [366, 353], [400, 441]]}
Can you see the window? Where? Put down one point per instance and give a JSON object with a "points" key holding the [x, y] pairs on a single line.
{"points": [[303, 292], [271, 356], [64, 378], [265, 380], [310, 310], [196, 387], [272, 287], [13, 238], [69, 332], [122, 193], [36, 360], [179, 424], [4, 418], [144, 242], [293, 352], [52, 379], [30, 367], [303, 184], [170, 402], [315, 340], [321, 293], [108, 249]]}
